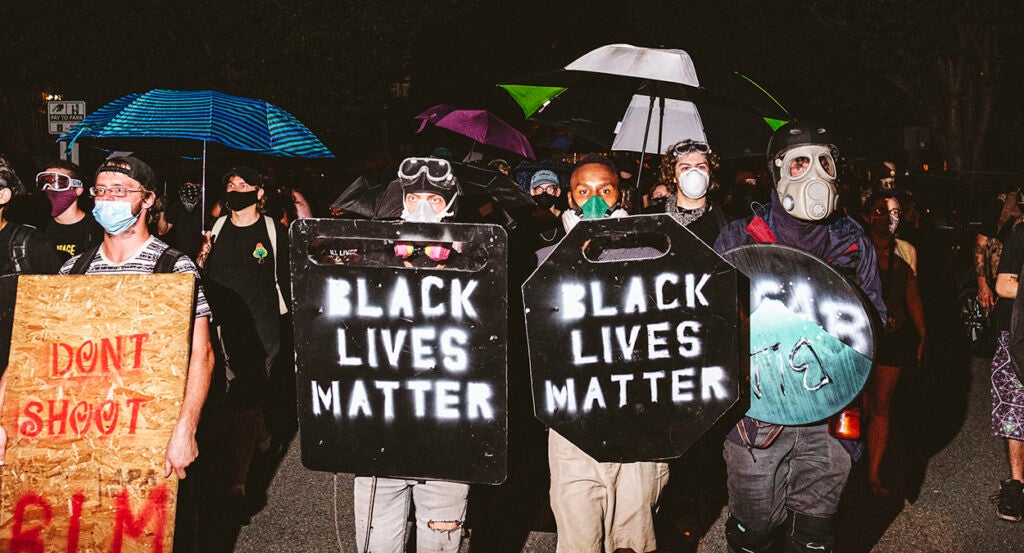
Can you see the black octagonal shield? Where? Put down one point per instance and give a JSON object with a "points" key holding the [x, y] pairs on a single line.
{"points": [[401, 359], [632, 331], [812, 334]]}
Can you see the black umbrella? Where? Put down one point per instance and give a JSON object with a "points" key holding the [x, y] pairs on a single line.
{"points": [[383, 200]]}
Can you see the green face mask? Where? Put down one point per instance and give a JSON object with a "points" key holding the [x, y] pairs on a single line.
{"points": [[594, 208]]}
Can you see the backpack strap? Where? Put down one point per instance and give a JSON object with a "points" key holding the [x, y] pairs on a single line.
{"points": [[18, 247], [85, 260], [282, 307], [165, 263]]}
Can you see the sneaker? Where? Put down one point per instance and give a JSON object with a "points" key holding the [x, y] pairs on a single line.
{"points": [[1010, 500]]}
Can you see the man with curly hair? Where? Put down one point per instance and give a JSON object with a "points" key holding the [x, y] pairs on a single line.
{"points": [[687, 166]]}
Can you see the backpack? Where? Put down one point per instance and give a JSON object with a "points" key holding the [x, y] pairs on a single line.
{"points": [[282, 306], [164, 264], [17, 248]]}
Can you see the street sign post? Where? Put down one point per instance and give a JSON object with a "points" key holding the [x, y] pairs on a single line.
{"points": [[61, 115]]}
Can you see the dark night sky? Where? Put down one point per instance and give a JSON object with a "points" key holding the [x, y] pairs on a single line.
{"points": [[330, 62]]}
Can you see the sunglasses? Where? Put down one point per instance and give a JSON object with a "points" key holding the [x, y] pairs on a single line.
{"points": [[58, 182], [437, 171], [688, 146]]}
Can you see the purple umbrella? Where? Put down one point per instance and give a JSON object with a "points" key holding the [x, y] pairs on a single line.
{"points": [[480, 125]]}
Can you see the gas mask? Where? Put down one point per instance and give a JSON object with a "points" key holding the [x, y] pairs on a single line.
{"points": [[594, 208], [807, 182]]}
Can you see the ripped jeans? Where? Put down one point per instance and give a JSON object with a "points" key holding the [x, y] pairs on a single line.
{"points": [[440, 513]]}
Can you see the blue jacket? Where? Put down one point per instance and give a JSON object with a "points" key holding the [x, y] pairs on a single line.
{"points": [[848, 249]]}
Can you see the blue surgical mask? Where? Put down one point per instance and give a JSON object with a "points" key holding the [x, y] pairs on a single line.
{"points": [[115, 217]]}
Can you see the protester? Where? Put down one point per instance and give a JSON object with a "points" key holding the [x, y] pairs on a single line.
{"points": [[181, 223], [430, 195], [1007, 387], [689, 165], [246, 265], [601, 504], [1001, 217], [125, 192], [900, 346], [657, 197], [797, 477], [23, 249], [71, 230], [499, 165], [545, 190]]}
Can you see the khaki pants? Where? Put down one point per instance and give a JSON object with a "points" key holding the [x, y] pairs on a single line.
{"points": [[609, 504]]}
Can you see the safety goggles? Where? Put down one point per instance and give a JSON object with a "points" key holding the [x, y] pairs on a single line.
{"points": [[438, 171], [688, 146], [58, 182]]}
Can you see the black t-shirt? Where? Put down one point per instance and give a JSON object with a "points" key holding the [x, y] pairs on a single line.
{"points": [[71, 240], [186, 229], [40, 255], [240, 276], [1011, 261]]}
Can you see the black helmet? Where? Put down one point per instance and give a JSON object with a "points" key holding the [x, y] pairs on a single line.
{"points": [[433, 175], [797, 133]]}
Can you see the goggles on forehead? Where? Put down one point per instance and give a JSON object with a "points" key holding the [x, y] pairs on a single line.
{"points": [[58, 182], [688, 146], [438, 171]]}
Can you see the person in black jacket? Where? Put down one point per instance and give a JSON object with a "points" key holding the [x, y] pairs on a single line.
{"points": [[689, 166], [23, 249]]}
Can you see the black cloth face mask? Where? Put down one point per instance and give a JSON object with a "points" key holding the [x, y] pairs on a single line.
{"points": [[237, 201]]}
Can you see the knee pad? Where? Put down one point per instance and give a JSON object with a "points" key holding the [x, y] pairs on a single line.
{"points": [[809, 534], [745, 540]]}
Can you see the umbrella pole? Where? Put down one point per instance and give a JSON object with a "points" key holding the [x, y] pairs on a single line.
{"points": [[661, 121], [202, 194], [643, 149]]}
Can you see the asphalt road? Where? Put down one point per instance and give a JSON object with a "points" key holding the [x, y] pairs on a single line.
{"points": [[943, 468]]}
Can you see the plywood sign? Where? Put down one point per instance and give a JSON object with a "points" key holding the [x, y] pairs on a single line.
{"points": [[95, 382]]}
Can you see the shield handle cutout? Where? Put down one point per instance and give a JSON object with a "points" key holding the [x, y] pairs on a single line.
{"points": [[646, 245], [326, 251]]}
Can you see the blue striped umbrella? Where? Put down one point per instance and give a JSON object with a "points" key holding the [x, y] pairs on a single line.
{"points": [[204, 115], [201, 115]]}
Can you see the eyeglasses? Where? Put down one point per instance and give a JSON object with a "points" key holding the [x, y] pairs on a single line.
{"points": [[688, 146], [437, 171], [114, 191], [58, 182]]}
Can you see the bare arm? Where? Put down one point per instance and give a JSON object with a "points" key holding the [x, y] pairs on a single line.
{"points": [[162, 226], [916, 311], [182, 448], [302, 209], [985, 296], [1006, 285]]}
